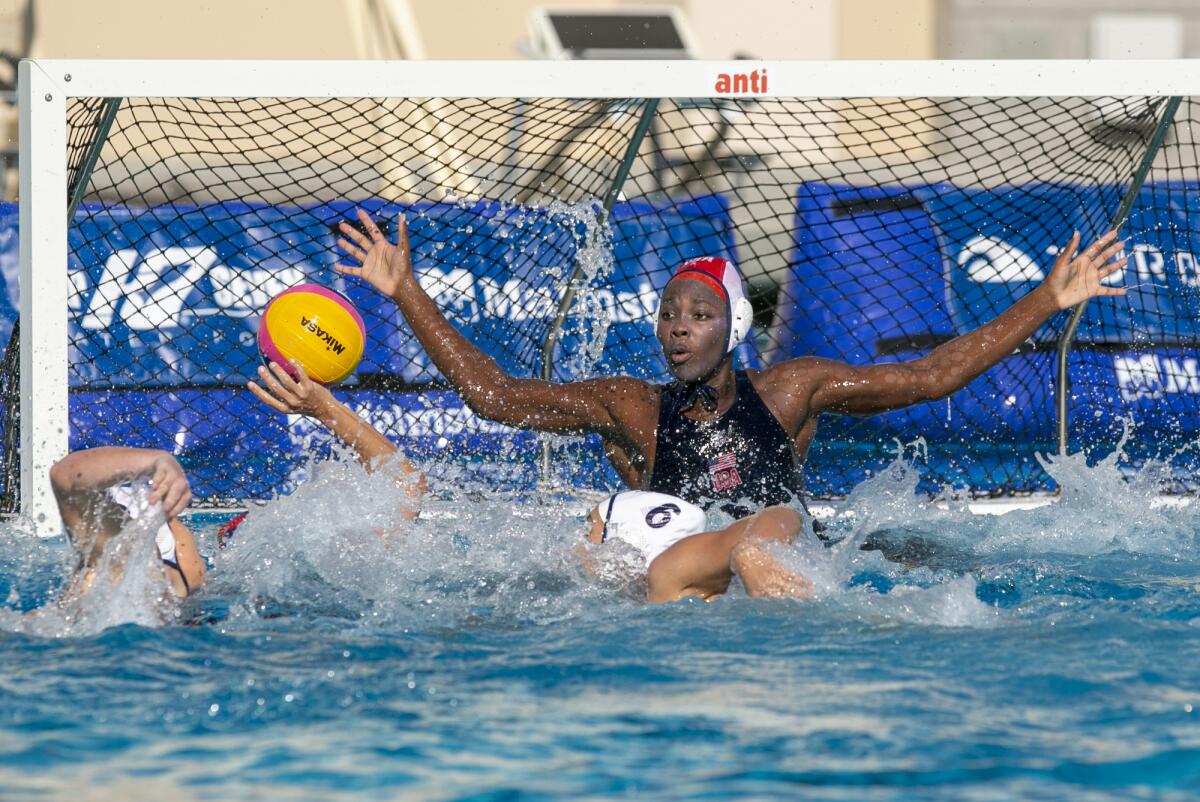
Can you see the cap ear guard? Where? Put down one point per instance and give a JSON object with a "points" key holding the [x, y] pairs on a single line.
{"points": [[741, 317]]}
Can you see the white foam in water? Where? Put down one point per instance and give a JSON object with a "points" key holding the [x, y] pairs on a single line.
{"points": [[129, 588], [339, 548], [340, 526], [1103, 507], [320, 552]]}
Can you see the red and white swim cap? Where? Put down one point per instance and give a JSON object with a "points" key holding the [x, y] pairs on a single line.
{"points": [[723, 278]]}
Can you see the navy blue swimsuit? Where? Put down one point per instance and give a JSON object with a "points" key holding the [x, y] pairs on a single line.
{"points": [[740, 462]]}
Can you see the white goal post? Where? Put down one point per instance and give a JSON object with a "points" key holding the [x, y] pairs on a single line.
{"points": [[45, 86]]}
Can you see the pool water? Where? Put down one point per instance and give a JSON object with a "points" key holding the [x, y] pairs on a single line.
{"points": [[1045, 654]]}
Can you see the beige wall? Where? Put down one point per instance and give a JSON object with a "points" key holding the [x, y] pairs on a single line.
{"points": [[765, 29], [446, 29], [484, 29], [887, 29], [213, 29], [452, 29], [11, 15]]}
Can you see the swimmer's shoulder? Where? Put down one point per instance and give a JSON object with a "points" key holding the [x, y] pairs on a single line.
{"points": [[801, 369], [626, 390], [787, 388], [632, 403]]}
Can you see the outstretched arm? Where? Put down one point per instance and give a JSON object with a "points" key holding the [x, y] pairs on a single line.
{"points": [[284, 394], [953, 365], [303, 396], [590, 406]]}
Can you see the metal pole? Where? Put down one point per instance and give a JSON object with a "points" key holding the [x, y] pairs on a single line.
{"points": [[649, 108], [84, 177], [1067, 338]]}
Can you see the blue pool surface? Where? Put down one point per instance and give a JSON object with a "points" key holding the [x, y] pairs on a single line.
{"points": [[1044, 654]]}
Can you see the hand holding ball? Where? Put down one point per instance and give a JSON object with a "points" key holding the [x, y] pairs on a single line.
{"points": [[317, 327]]}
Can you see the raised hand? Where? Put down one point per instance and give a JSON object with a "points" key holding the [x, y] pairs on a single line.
{"points": [[380, 263], [282, 393], [1075, 279], [169, 485]]}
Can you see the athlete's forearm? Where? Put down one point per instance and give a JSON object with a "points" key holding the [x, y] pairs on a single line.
{"points": [[471, 372], [101, 467], [368, 443], [956, 364], [373, 449]]}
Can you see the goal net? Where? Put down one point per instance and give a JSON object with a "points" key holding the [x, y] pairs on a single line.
{"points": [[869, 229]]}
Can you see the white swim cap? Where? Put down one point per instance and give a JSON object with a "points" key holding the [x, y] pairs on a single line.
{"points": [[134, 497], [650, 522]]}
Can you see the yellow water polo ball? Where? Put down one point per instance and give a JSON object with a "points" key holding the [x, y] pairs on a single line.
{"points": [[317, 327]]}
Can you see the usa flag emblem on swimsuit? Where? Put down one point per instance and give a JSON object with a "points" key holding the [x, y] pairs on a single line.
{"points": [[723, 470]]}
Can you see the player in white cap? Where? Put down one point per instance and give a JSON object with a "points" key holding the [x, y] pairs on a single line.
{"points": [[653, 523]]}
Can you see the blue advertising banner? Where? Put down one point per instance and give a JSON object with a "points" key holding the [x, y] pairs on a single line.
{"points": [[170, 296], [866, 275], [887, 273], [165, 304], [999, 244]]}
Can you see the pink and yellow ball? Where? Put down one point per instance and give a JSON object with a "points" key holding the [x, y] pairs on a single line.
{"points": [[317, 327]]}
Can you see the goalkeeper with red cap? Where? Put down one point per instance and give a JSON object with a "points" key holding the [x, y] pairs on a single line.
{"points": [[716, 436]]}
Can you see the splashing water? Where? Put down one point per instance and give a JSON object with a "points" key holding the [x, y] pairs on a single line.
{"points": [[594, 263], [339, 547], [128, 587]]}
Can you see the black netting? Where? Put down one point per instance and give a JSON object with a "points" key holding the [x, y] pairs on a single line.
{"points": [[869, 229], [199, 211], [84, 130], [880, 228]]}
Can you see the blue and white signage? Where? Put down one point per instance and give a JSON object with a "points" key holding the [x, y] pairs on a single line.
{"points": [[999, 244], [164, 306]]}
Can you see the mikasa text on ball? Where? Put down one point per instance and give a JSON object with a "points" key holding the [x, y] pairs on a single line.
{"points": [[317, 327]]}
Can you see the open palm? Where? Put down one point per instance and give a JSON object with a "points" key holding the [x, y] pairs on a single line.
{"points": [[380, 263], [1076, 278]]}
